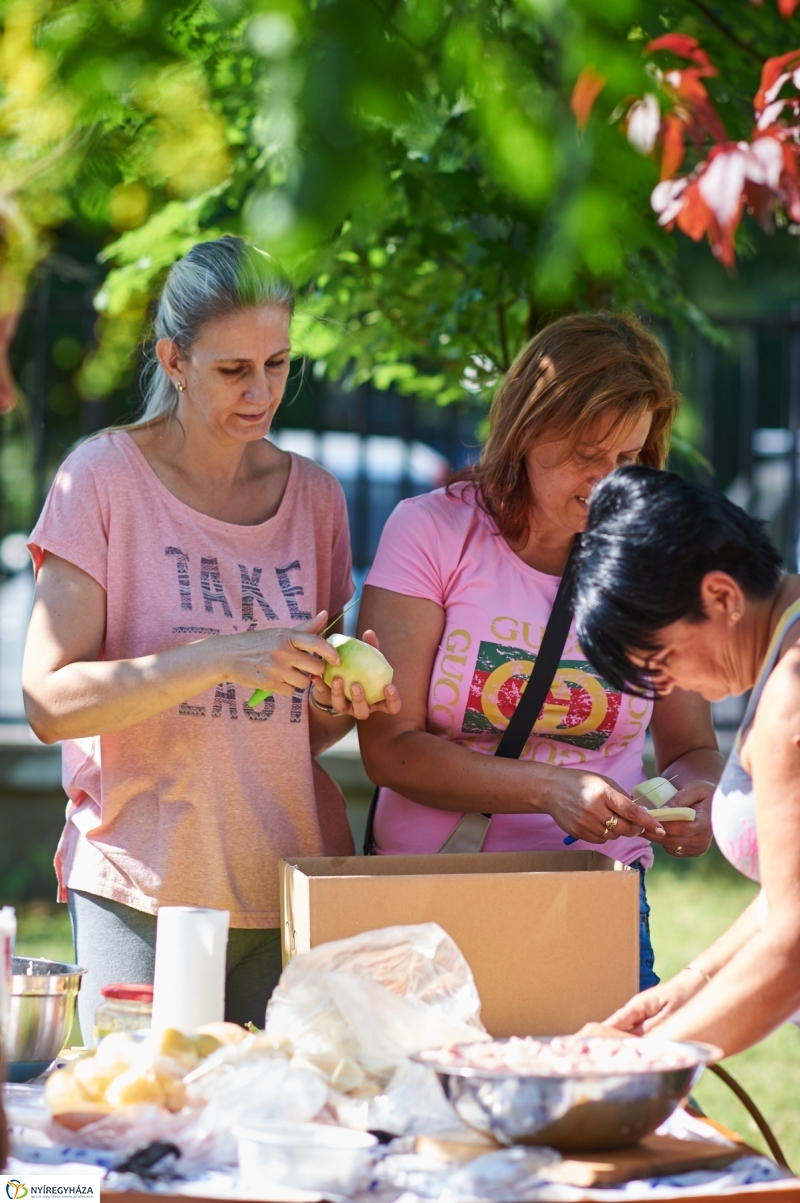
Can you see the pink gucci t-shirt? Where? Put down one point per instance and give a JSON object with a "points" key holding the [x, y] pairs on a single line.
{"points": [[197, 805], [446, 549]]}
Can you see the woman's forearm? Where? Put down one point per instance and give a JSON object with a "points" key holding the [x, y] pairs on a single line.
{"points": [[719, 954], [448, 776], [701, 764], [747, 998], [96, 697], [325, 730]]}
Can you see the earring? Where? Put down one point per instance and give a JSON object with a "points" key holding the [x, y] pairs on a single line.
{"points": [[180, 386], [735, 615]]}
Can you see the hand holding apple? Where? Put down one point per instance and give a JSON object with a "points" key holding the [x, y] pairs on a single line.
{"points": [[361, 684]]}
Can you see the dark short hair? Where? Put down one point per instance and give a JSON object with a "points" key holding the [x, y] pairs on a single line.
{"points": [[650, 539]]}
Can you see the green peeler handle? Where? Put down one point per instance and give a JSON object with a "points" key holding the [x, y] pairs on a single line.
{"points": [[258, 697]]}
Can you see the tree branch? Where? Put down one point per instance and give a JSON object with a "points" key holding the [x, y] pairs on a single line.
{"points": [[710, 15], [503, 334]]}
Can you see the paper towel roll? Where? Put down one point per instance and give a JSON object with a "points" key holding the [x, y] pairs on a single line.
{"points": [[189, 986]]}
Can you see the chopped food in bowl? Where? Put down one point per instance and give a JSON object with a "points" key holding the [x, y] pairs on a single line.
{"points": [[573, 1093], [568, 1056]]}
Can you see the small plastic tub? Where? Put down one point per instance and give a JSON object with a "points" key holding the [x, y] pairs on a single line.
{"points": [[311, 1157]]}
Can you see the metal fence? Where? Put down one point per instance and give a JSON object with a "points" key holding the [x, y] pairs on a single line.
{"points": [[746, 396], [743, 394]]}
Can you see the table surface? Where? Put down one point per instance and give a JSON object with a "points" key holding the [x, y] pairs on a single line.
{"points": [[765, 1192], [768, 1192]]}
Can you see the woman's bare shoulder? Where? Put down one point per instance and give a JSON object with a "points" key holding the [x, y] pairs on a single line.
{"points": [[780, 697]]}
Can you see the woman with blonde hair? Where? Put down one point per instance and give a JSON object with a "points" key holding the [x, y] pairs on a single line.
{"points": [[461, 593], [181, 564]]}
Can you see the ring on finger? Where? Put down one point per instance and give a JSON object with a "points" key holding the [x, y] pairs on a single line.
{"points": [[679, 850], [611, 823]]}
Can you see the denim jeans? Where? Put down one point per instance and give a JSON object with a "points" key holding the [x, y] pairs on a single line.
{"points": [[647, 975]]}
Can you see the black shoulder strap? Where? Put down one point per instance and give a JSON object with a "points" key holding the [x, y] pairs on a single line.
{"points": [[544, 670], [532, 700]]}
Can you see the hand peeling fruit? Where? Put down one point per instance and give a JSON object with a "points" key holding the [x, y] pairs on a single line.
{"points": [[360, 663], [655, 794]]}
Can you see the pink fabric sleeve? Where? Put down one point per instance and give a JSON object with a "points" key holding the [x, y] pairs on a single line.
{"points": [[73, 523], [410, 557], [341, 558]]}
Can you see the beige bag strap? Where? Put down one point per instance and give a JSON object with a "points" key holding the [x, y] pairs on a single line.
{"points": [[468, 834]]}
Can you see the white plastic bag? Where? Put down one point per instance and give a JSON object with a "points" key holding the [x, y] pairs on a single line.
{"points": [[357, 1009], [413, 1104], [260, 1089], [376, 998]]}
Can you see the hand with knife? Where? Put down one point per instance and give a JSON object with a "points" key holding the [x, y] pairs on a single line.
{"points": [[283, 659], [691, 764]]}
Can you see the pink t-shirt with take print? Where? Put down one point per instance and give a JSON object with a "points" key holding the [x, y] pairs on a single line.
{"points": [[197, 805], [446, 549]]}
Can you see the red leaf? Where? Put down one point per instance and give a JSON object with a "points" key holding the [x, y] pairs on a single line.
{"points": [[722, 244], [672, 148], [761, 200], [687, 85], [684, 46], [707, 116], [770, 73], [786, 7], [695, 216], [791, 197], [790, 161], [587, 88]]}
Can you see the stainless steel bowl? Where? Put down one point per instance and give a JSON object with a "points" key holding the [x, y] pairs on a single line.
{"points": [[574, 1114], [41, 1010]]}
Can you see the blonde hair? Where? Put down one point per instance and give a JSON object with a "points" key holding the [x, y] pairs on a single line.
{"points": [[217, 278], [574, 372]]}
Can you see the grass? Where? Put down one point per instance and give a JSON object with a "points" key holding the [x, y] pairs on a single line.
{"points": [[692, 903], [44, 930]]}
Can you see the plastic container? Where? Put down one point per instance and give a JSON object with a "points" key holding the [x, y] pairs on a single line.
{"points": [[312, 1157], [125, 1008]]}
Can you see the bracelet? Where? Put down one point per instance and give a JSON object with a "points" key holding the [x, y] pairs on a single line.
{"points": [[702, 972], [325, 709]]}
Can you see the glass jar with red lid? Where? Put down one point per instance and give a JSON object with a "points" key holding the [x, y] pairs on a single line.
{"points": [[126, 1007]]}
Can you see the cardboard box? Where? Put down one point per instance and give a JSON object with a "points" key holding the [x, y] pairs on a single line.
{"points": [[552, 937]]}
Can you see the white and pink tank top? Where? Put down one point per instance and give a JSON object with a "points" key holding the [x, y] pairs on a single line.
{"points": [[733, 814]]}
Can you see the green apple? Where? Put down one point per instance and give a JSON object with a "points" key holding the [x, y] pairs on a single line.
{"points": [[362, 663], [655, 792]]}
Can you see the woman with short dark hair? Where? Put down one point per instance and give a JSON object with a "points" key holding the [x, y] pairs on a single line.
{"points": [[677, 588]]}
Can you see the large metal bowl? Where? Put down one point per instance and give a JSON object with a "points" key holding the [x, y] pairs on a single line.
{"points": [[41, 1010], [574, 1114]]}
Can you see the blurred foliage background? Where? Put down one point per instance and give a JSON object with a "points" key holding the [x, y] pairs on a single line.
{"points": [[416, 166], [414, 163]]}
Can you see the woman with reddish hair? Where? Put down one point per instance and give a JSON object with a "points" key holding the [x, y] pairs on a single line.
{"points": [[460, 594]]}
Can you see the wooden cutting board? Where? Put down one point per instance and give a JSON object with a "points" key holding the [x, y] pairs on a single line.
{"points": [[652, 1157]]}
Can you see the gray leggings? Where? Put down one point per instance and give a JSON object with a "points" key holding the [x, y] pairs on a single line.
{"points": [[116, 943]]}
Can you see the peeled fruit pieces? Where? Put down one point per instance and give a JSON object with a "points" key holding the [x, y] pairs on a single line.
{"points": [[123, 1072], [362, 663], [654, 793]]}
